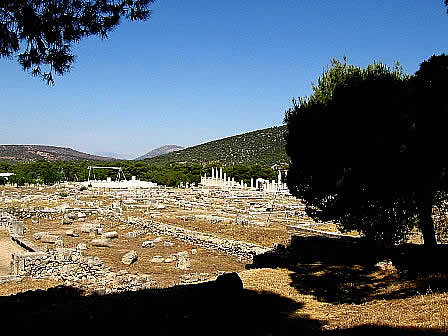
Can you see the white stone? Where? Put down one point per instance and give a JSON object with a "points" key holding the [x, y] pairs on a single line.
{"points": [[129, 258], [157, 259], [183, 260], [147, 243], [101, 242], [110, 235]]}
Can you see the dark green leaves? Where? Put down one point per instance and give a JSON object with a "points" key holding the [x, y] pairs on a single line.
{"points": [[41, 33]]}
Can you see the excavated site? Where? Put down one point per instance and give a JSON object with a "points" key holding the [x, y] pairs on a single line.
{"points": [[107, 240]]}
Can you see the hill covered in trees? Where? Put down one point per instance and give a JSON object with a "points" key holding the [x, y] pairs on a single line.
{"points": [[245, 156], [265, 147], [30, 153]]}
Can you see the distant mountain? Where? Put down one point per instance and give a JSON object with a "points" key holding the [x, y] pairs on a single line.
{"points": [[28, 153], [160, 151], [265, 147], [119, 156]]}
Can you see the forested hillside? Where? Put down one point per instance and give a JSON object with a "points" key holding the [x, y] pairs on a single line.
{"points": [[265, 147]]}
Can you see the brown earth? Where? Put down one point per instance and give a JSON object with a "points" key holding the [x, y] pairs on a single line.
{"points": [[7, 248]]}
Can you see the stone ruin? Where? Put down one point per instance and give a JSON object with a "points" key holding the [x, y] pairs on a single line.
{"points": [[65, 264]]}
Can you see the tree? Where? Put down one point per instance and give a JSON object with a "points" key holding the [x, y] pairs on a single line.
{"points": [[41, 32], [50, 175], [369, 117]]}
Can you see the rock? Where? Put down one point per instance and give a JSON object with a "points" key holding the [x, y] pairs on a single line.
{"points": [[110, 235], [157, 259], [229, 283], [67, 221], [71, 233], [72, 216], [40, 235], [147, 243], [89, 227], [50, 239], [59, 243], [101, 243], [129, 258], [194, 251], [386, 266], [168, 244], [99, 291], [81, 215], [183, 260], [93, 234]]}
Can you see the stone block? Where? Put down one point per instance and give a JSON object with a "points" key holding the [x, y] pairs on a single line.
{"points": [[71, 233], [50, 239], [101, 243], [81, 247], [147, 243], [129, 258], [157, 259], [110, 235], [183, 260]]}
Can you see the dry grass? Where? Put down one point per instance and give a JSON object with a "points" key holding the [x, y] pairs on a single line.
{"points": [[27, 284], [422, 311], [264, 236], [360, 296], [165, 274]]}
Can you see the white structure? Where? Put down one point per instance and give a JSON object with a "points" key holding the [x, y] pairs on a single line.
{"points": [[220, 180], [6, 175], [120, 173], [123, 184], [119, 183]]}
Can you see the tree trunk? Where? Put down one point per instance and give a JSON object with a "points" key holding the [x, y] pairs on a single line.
{"points": [[424, 200]]}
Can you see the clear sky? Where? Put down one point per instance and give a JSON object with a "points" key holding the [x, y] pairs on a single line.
{"points": [[201, 70]]}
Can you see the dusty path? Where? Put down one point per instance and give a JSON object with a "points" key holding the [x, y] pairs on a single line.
{"points": [[7, 247]]}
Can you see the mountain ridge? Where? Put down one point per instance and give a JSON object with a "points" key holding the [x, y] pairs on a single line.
{"points": [[30, 153], [160, 151]]}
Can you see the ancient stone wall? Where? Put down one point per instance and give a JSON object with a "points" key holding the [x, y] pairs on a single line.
{"points": [[308, 232], [67, 265], [70, 266], [239, 249], [6, 221]]}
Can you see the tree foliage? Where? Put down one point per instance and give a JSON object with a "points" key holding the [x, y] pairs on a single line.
{"points": [[368, 117], [42, 32], [265, 147], [168, 174]]}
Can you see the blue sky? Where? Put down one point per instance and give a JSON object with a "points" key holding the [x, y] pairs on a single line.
{"points": [[202, 70]]}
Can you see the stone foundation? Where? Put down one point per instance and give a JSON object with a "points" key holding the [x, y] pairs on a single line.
{"points": [[239, 249]]}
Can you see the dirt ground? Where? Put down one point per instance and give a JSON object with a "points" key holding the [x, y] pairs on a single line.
{"points": [[336, 298], [7, 248]]}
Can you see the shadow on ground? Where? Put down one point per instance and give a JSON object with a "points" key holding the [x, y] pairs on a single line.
{"points": [[341, 271], [219, 307]]}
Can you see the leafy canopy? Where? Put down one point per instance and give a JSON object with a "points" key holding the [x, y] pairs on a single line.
{"points": [[41, 33], [368, 116]]}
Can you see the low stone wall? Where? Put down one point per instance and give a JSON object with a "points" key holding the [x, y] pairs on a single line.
{"points": [[8, 222], [9, 278], [60, 264], [307, 232], [239, 249], [25, 243], [5, 221], [70, 266], [67, 265]]}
